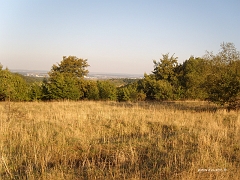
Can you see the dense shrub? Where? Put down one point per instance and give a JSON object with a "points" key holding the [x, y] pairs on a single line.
{"points": [[12, 87], [107, 91]]}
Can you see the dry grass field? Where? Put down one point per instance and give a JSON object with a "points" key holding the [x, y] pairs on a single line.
{"points": [[111, 140]]}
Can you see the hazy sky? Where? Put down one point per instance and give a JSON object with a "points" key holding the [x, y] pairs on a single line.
{"points": [[116, 36]]}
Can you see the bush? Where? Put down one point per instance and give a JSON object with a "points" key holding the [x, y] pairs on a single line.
{"points": [[92, 92], [163, 90], [62, 86], [36, 91], [12, 87], [107, 91]]}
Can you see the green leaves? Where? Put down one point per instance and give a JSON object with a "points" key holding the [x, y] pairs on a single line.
{"points": [[164, 70], [36, 91], [107, 91], [223, 84], [91, 90], [12, 87], [163, 90], [157, 89], [212, 77], [195, 71], [63, 86], [71, 65], [65, 81], [224, 87]]}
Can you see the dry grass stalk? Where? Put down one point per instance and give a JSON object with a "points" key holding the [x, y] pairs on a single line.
{"points": [[110, 140]]}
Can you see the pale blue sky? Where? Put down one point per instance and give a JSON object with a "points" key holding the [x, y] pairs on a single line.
{"points": [[121, 36]]}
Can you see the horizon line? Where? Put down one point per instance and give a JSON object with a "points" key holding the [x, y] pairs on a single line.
{"points": [[90, 72]]}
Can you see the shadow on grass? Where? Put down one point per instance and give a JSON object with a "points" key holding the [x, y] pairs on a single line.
{"points": [[163, 153], [195, 106]]}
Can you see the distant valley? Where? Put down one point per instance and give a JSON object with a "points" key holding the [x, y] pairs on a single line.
{"points": [[91, 75]]}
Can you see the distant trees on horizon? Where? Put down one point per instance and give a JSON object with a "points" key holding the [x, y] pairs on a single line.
{"points": [[212, 77]]}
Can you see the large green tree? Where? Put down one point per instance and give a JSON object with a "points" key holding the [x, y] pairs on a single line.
{"points": [[165, 68], [223, 85], [156, 89], [195, 71], [66, 79], [72, 66], [168, 71], [62, 86]]}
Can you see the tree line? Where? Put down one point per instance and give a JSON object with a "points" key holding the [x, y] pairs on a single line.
{"points": [[212, 77]]}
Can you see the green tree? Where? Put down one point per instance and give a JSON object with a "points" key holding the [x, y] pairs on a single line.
{"points": [[46, 91], [63, 86], [168, 70], [66, 79], [148, 86], [165, 68], [91, 90], [223, 85], [156, 89], [107, 90], [12, 87], [195, 71], [72, 66], [228, 53], [36, 91], [163, 90], [123, 94], [131, 92]]}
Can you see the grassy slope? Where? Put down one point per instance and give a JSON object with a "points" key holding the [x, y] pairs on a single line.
{"points": [[108, 140]]}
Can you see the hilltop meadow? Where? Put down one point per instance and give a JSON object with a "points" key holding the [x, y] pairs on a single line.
{"points": [[179, 122], [118, 140]]}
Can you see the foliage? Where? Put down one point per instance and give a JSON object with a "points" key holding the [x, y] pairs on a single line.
{"points": [[212, 77], [223, 84], [156, 89], [36, 91], [65, 79], [123, 94], [163, 90], [148, 86], [228, 53], [63, 86], [107, 91], [195, 71], [12, 87], [72, 66], [130, 92], [224, 87], [91, 90], [165, 68], [164, 83]]}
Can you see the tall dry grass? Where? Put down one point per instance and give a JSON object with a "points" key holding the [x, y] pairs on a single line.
{"points": [[109, 140]]}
